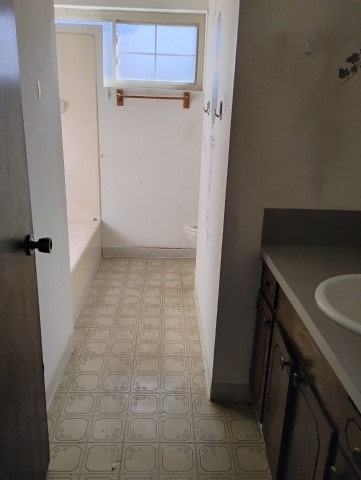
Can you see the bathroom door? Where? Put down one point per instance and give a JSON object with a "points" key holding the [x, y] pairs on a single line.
{"points": [[24, 449]]}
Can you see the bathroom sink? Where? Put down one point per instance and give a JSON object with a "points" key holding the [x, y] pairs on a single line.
{"points": [[340, 299]]}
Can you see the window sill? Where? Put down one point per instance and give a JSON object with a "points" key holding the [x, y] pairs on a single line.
{"points": [[153, 87]]}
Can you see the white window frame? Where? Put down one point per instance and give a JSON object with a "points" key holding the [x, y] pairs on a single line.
{"points": [[166, 18]]}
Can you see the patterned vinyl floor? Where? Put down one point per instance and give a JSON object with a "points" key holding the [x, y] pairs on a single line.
{"points": [[131, 404]]}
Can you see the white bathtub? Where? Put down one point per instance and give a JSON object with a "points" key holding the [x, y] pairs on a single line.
{"points": [[85, 256]]}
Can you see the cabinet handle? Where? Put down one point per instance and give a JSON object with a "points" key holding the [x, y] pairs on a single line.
{"points": [[333, 473], [285, 363], [356, 454], [336, 476]]}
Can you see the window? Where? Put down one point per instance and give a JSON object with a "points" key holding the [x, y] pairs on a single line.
{"points": [[159, 53], [152, 50]]}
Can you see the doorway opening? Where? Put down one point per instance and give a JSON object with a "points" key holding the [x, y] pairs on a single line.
{"points": [[144, 164]]}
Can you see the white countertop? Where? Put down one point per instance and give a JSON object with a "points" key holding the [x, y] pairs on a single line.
{"points": [[299, 270]]}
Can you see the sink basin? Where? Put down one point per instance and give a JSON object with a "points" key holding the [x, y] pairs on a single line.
{"points": [[340, 299]]}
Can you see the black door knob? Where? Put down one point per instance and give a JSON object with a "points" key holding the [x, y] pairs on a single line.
{"points": [[44, 245]]}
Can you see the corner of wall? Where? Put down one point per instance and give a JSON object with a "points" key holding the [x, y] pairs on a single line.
{"points": [[207, 370], [58, 373], [230, 393]]}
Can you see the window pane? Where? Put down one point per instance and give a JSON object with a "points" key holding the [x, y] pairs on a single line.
{"points": [[107, 66], [135, 38], [176, 69], [132, 66], [107, 36], [177, 40]]}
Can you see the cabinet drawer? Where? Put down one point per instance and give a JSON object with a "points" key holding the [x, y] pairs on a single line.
{"points": [[269, 285]]}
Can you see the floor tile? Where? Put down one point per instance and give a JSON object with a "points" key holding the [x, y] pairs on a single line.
{"points": [[251, 459], [177, 405], [79, 404], [215, 459], [102, 458], [132, 402], [71, 429], [142, 429], [140, 458], [210, 429], [145, 404], [65, 458], [178, 458], [106, 428], [176, 429]]}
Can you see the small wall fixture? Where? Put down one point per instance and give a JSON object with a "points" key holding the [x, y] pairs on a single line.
{"points": [[120, 98], [62, 106], [207, 110], [220, 113]]}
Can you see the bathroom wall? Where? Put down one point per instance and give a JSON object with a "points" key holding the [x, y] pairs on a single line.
{"points": [[142, 4], [221, 48], [295, 143], [36, 41], [78, 89], [77, 69], [149, 162]]}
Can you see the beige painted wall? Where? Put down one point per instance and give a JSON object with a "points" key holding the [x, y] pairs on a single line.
{"points": [[36, 41], [215, 145], [150, 162], [79, 121], [295, 143], [149, 170]]}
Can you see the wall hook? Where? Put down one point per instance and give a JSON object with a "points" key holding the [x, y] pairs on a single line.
{"points": [[219, 115], [62, 106], [208, 109]]}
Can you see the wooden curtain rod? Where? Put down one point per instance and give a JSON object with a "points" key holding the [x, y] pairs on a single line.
{"points": [[120, 98]]}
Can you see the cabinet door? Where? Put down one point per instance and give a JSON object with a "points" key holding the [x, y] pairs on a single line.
{"points": [[269, 285], [278, 400], [261, 350], [311, 438], [342, 469]]}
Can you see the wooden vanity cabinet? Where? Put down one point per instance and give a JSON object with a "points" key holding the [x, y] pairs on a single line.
{"points": [[277, 402], [269, 286], [311, 438], [266, 302], [311, 428], [264, 325], [342, 468], [331, 394]]}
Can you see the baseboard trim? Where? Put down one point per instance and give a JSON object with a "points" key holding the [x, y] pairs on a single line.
{"points": [[53, 384], [207, 371], [82, 299], [230, 392], [149, 252]]}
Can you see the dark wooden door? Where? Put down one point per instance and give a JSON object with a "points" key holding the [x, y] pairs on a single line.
{"points": [[311, 438], [24, 452], [261, 350], [278, 400]]}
